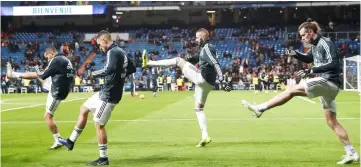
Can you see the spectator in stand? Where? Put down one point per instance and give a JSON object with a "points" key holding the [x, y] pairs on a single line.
{"points": [[76, 45], [169, 81], [180, 83], [66, 49], [29, 53], [92, 42], [36, 47], [122, 43], [4, 83]]}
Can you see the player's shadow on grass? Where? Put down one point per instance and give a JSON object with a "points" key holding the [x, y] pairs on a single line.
{"points": [[155, 159], [150, 159], [268, 143]]}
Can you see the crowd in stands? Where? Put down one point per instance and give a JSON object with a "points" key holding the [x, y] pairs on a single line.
{"points": [[241, 72]]}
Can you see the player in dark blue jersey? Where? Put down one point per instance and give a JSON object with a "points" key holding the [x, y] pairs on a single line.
{"points": [[325, 85], [117, 67], [59, 75]]}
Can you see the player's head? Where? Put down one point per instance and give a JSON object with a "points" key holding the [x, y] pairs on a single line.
{"points": [[104, 40], [202, 36], [50, 52], [309, 30]]}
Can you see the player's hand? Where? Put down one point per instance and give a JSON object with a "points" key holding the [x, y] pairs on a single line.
{"points": [[304, 73], [290, 52], [225, 86]]}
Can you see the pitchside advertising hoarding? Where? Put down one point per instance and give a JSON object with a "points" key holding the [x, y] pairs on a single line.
{"points": [[53, 10]]}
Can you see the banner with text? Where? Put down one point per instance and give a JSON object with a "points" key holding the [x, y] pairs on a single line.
{"points": [[53, 10]]}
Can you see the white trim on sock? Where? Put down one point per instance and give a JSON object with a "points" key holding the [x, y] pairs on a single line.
{"points": [[103, 150], [75, 134], [56, 136]]}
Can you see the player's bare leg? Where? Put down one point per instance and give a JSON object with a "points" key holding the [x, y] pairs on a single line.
{"points": [[78, 129], [49, 119], [351, 155], [280, 99], [103, 146]]}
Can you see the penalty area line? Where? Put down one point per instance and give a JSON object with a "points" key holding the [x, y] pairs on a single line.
{"points": [[305, 99]]}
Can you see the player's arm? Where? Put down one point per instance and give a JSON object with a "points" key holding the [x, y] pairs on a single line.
{"points": [[130, 68], [49, 71], [306, 58], [210, 58], [110, 65], [329, 50]]}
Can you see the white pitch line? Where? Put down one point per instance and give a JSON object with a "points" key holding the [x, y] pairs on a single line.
{"points": [[17, 103], [161, 120], [18, 108], [305, 99]]}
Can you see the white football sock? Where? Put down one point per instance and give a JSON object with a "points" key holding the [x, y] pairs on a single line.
{"points": [[56, 136], [75, 134], [103, 150], [167, 62], [263, 107], [202, 121], [15, 74], [350, 150]]}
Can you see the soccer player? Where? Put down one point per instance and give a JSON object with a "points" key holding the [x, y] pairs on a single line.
{"points": [[262, 78], [204, 79], [117, 67], [132, 85], [325, 86], [153, 73], [154, 76], [61, 71]]}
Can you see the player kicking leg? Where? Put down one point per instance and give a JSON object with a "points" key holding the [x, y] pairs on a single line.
{"points": [[326, 87], [201, 91], [50, 108], [58, 77], [116, 69], [327, 92], [101, 111], [204, 78]]}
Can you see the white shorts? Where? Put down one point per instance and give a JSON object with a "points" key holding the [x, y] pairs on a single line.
{"points": [[324, 89], [202, 86], [47, 84], [51, 104], [101, 110]]}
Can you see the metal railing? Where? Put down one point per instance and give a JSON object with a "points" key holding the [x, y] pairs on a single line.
{"points": [[334, 35]]}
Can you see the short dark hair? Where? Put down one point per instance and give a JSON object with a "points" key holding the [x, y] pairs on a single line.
{"points": [[104, 33], [309, 24], [51, 49]]}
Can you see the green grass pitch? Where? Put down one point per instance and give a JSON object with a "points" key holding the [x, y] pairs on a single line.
{"points": [[163, 131]]}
